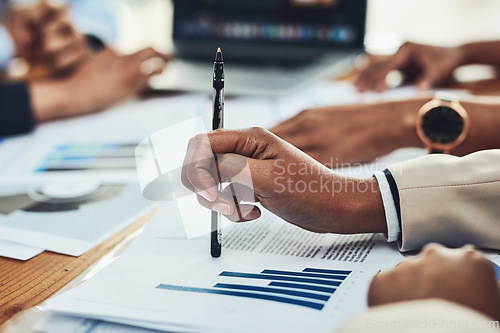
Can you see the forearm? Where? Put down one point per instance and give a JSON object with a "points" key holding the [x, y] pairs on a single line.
{"points": [[485, 122], [487, 53], [359, 206], [50, 100]]}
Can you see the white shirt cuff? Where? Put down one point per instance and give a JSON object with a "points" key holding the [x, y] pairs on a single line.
{"points": [[7, 48], [391, 216], [96, 18]]}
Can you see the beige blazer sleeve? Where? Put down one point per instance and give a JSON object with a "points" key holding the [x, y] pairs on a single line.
{"points": [[450, 200], [431, 315]]}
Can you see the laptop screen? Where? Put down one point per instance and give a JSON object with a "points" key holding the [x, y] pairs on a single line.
{"points": [[281, 29]]}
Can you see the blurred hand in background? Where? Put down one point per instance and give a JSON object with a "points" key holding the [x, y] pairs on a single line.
{"points": [[44, 36], [101, 81], [424, 65], [73, 72]]}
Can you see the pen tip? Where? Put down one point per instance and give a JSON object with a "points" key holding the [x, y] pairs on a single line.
{"points": [[218, 55]]}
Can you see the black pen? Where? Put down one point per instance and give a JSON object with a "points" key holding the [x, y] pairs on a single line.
{"points": [[217, 122]]}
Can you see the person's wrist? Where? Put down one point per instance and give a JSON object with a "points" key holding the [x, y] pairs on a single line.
{"points": [[358, 206], [483, 129], [50, 99], [403, 128]]}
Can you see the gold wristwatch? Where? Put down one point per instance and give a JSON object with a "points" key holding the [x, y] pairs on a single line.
{"points": [[442, 123]]}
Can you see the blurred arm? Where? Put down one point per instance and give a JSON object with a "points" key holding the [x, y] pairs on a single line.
{"points": [[487, 53]]}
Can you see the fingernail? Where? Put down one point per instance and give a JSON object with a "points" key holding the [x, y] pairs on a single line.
{"points": [[222, 208], [253, 215], [206, 195]]}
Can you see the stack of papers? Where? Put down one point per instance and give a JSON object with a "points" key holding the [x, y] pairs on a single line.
{"points": [[72, 183], [34, 219]]}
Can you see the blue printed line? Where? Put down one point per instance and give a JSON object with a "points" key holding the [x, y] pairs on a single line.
{"points": [[302, 294], [313, 275], [302, 286], [279, 299], [94, 147], [71, 158], [88, 147], [280, 278], [326, 271], [497, 270], [93, 325]]}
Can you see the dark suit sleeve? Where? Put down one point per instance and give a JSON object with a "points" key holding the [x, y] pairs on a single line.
{"points": [[16, 114]]}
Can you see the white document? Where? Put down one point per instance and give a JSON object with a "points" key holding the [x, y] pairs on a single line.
{"points": [[289, 280], [67, 324], [69, 225], [246, 112], [18, 251]]}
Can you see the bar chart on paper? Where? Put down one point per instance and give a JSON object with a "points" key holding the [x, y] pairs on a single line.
{"points": [[89, 156], [310, 288]]}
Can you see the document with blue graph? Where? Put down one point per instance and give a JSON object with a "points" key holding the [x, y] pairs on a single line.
{"points": [[285, 280]]}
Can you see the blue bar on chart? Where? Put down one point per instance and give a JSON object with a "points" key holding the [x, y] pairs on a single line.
{"points": [[310, 288], [89, 156]]}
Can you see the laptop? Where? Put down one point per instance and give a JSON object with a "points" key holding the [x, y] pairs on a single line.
{"points": [[270, 47]]}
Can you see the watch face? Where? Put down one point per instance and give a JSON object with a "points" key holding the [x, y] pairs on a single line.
{"points": [[442, 124]]}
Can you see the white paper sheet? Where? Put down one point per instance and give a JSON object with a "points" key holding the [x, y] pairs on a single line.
{"points": [[66, 324], [18, 251], [74, 232], [71, 227]]}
